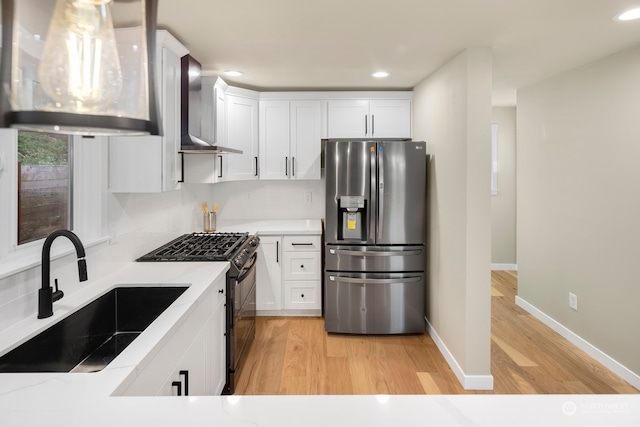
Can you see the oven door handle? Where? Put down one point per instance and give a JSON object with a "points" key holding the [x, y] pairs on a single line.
{"points": [[246, 269]]}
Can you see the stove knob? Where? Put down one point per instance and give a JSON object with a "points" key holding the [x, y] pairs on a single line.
{"points": [[253, 242]]}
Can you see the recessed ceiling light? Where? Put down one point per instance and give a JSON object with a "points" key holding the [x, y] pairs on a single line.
{"points": [[628, 15], [233, 73], [380, 74]]}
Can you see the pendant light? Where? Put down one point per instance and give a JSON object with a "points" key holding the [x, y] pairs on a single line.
{"points": [[79, 66]]}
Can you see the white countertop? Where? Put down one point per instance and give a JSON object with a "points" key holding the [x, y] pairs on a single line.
{"points": [[81, 386], [321, 411]]}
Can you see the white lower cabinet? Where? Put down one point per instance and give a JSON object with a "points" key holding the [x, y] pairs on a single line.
{"points": [[193, 359], [289, 276], [218, 362], [302, 295], [269, 274], [302, 270], [189, 376]]}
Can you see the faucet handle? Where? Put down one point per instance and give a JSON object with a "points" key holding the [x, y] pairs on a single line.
{"points": [[57, 294], [82, 269]]}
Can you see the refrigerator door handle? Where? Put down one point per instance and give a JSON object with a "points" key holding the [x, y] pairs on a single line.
{"points": [[375, 281], [373, 194], [380, 192], [375, 253]]}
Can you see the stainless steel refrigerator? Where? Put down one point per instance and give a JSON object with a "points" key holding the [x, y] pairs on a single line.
{"points": [[375, 253]]}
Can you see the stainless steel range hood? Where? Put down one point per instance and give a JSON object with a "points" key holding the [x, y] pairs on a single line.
{"points": [[191, 117]]}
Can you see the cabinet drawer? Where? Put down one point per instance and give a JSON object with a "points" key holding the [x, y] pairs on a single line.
{"points": [[302, 295], [301, 243], [301, 265]]}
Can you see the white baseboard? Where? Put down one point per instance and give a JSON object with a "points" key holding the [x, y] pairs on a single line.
{"points": [[612, 364], [511, 267], [469, 382]]}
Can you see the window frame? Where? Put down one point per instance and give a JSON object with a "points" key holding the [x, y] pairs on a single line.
{"points": [[89, 187]]}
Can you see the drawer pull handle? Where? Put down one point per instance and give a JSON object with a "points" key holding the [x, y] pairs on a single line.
{"points": [[221, 291], [177, 384], [302, 295], [302, 244], [301, 265], [186, 381]]}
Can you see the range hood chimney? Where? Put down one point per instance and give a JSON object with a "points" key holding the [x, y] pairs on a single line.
{"points": [[191, 118]]}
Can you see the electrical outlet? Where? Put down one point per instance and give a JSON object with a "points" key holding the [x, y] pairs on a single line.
{"points": [[573, 301], [307, 197]]}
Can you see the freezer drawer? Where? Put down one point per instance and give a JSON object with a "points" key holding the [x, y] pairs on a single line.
{"points": [[374, 303], [375, 258]]}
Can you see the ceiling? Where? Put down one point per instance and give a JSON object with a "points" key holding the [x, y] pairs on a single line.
{"points": [[337, 44]]}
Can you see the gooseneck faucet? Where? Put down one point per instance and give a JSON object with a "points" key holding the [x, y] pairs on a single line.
{"points": [[46, 294]]}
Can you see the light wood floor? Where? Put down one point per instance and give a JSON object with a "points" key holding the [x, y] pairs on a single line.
{"points": [[296, 356]]}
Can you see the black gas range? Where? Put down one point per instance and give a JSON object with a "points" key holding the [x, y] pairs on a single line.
{"points": [[240, 250], [234, 247]]}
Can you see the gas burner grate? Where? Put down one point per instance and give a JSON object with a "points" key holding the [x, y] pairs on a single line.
{"points": [[198, 247]]}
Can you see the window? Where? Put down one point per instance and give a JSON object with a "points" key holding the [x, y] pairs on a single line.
{"points": [[45, 196], [87, 157]]}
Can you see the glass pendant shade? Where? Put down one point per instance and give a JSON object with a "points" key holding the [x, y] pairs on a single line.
{"points": [[86, 76], [79, 66]]}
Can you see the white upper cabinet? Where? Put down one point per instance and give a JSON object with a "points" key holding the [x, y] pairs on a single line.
{"points": [[242, 134], [229, 119], [375, 118], [214, 117], [280, 133], [390, 118], [150, 164], [274, 139], [305, 145], [290, 134], [210, 168], [348, 118], [204, 168]]}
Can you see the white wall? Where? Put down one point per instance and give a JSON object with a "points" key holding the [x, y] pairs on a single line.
{"points": [[270, 199], [579, 201], [452, 113], [503, 204]]}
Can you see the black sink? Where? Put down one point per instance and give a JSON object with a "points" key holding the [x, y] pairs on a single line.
{"points": [[90, 338]]}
